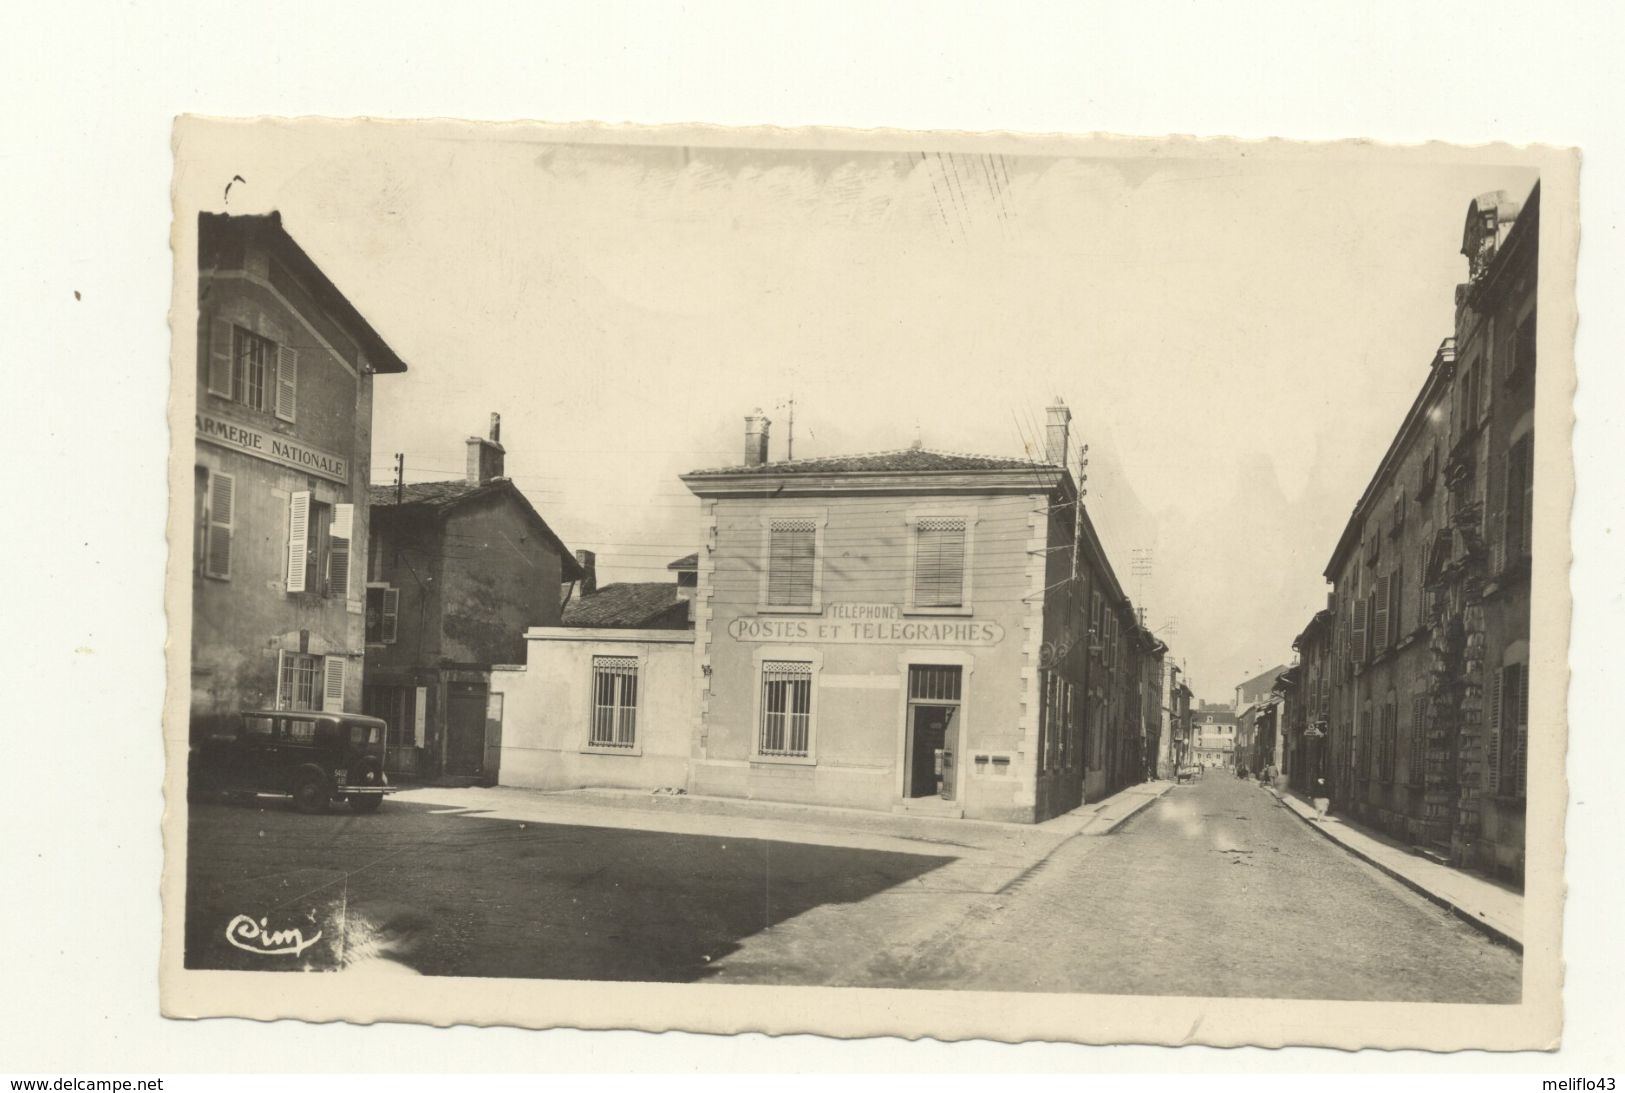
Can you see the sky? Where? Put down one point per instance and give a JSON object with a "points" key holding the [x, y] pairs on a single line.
{"points": [[1238, 335]]}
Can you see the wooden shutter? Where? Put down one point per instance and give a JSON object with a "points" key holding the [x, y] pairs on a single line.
{"points": [[338, 550], [287, 381], [333, 684], [1396, 606], [391, 614], [1518, 507], [222, 516], [298, 539], [1492, 737], [420, 707], [939, 563], [791, 559], [1357, 642], [220, 358], [1380, 624]]}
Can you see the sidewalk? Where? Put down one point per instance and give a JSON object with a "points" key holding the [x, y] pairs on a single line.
{"points": [[1483, 904], [642, 808]]}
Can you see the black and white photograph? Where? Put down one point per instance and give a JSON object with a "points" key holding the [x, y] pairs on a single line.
{"points": [[937, 563]]}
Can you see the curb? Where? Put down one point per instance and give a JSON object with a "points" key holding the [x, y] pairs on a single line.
{"points": [[1481, 925], [1129, 815]]}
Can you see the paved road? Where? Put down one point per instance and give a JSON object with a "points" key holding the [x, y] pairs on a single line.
{"points": [[1215, 890], [447, 892]]}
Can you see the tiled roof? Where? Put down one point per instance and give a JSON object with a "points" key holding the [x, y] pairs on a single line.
{"points": [[437, 497], [687, 561], [427, 493], [630, 604], [904, 460]]}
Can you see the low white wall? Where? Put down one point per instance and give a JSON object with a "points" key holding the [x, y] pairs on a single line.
{"points": [[547, 710]]}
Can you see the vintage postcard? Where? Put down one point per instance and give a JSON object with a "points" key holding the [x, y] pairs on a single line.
{"points": [[869, 583]]}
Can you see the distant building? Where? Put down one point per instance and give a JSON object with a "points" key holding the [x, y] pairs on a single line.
{"points": [[1213, 735], [285, 366], [1258, 688], [637, 605], [456, 573]]}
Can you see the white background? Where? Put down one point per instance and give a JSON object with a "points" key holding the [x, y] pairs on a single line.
{"points": [[85, 167]]}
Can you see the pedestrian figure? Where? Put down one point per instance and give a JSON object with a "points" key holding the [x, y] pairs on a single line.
{"points": [[1320, 792], [1241, 772]]}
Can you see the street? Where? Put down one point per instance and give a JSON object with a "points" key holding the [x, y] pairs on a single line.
{"points": [[1213, 890]]}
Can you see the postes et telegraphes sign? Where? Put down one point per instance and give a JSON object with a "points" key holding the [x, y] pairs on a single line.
{"points": [[273, 448], [867, 624]]}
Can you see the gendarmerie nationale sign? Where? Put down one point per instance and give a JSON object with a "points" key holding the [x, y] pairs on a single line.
{"points": [[269, 446], [867, 624]]}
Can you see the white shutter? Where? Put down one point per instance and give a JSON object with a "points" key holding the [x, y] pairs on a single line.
{"points": [[419, 711], [1492, 738], [391, 614], [287, 381], [338, 552], [222, 516], [298, 539], [281, 674], [333, 684], [220, 362]]}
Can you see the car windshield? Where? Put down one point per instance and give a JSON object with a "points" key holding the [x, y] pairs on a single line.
{"points": [[364, 734]]}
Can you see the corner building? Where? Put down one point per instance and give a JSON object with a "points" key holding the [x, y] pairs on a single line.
{"points": [[285, 366], [914, 630]]}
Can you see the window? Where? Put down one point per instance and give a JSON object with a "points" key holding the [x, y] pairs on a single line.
{"points": [[1387, 740], [1381, 615], [1507, 741], [614, 703], [252, 370], [383, 613], [939, 562], [1521, 359], [1518, 528], [786, 728], [319, 546], [792, 562], [307, 682], [297, 688]]}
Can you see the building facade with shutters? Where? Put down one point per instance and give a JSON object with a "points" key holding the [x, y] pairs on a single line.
{"points": [[1213, 735], [283, 435], [1429, 716], [456, 572], [911, 630]]}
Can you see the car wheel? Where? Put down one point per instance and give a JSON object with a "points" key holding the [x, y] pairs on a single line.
{"points": [[369, 803], [310, 794]]}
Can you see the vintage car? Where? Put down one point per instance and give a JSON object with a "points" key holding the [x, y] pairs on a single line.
{"points": [[314, 757]]}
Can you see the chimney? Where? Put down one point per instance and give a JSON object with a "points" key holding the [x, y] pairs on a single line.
{"points": [[1055, 433], [485, 455], [756, 426], [588, 561]]}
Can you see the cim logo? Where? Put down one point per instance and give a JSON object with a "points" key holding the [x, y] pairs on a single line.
{"points": [[250, 936]]}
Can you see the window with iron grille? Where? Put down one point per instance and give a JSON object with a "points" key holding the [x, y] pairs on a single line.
{"points": [[299, 687], [786, 728], [939, 562], [792, 561], [614, 702]]}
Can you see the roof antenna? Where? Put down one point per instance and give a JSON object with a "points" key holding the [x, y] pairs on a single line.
{"points": [[918, 443]]}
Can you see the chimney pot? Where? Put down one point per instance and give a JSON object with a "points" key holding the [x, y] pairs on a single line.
{"points": [[588, 561], [485, 456], [1055, 433], [756, 428]]}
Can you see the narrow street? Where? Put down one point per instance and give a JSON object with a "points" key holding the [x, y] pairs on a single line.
{"points": [[1215, 890]]}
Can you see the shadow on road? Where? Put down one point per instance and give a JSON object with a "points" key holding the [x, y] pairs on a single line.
{"points": [[415, 890]]}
